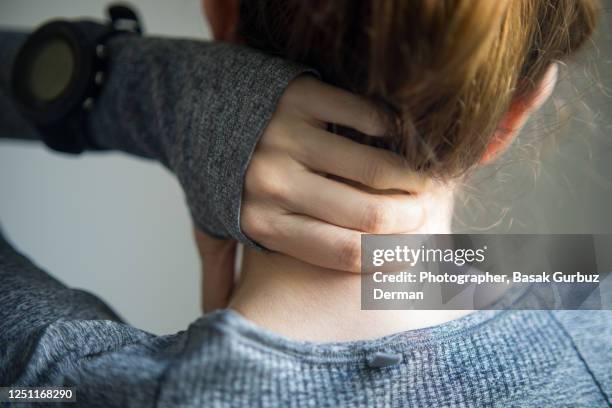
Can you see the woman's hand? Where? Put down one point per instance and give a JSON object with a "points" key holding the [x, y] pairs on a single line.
{"points": [[291, 203]]}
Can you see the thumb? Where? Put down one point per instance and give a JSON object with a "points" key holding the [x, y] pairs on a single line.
{"points": [[217, 257]]}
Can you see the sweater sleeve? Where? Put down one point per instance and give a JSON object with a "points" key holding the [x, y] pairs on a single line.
{"points": [[197, 107]]}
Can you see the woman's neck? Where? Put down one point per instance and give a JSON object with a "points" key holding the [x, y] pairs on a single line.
{"points": [[306, 302]]}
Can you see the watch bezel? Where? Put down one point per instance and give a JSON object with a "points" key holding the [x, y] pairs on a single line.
{"points": [[46, 113]]}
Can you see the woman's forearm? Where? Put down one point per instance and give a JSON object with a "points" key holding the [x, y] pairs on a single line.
{"points": [[199, 108]]}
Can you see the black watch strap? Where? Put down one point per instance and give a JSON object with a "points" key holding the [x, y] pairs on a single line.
{"points": [[69, 136]]}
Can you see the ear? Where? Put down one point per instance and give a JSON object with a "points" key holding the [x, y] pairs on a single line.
{"points": [[520, 110], [223, 18]]}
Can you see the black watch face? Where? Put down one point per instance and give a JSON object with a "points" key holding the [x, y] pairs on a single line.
{"points": [[50, 70], [53, 73]]}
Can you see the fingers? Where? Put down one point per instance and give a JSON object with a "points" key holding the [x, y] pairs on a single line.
{"points": [[340, 204], [289, 207], [217, 259], [376, 168], [317, 242], [331, 104]]}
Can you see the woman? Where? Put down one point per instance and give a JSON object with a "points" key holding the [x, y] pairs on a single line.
{"points": [[200, 108], [459, 79], [456, 80]]}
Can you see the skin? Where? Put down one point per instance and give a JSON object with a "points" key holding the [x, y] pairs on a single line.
{"points": [[292, 201], [274, 287]]}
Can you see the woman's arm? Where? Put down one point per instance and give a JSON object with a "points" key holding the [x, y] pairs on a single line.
{"points": [[200, 108], [197, 107]]}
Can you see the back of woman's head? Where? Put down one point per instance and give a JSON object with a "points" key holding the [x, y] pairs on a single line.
{"points": [[445, 70]]}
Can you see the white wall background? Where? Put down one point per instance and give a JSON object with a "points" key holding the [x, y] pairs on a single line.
{"points": [[117, 225]]}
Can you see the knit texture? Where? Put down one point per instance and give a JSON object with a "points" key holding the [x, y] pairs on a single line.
{"points": [[197, 107], [53, 335]]}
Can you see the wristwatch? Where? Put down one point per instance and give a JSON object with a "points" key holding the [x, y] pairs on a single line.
{"points": [[59, 71]]}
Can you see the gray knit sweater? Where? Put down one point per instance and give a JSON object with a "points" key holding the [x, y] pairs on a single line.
{"points": [[53, 335]]}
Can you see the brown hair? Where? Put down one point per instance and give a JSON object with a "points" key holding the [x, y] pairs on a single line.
{"points": [[446, 70]]}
